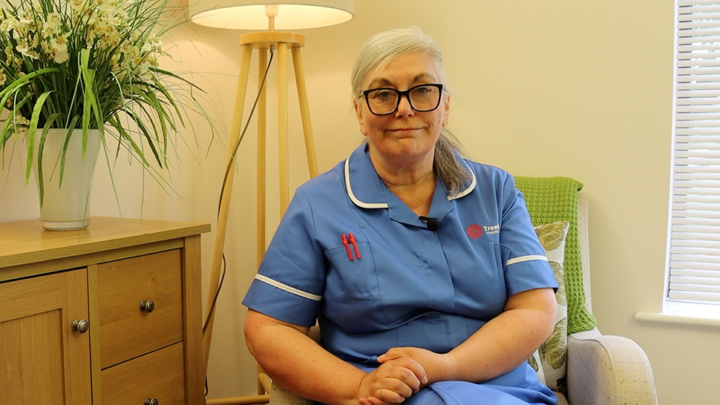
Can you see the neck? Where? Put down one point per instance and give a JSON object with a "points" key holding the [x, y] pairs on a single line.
{"points": [[413, 184], [408, 181], [404, 172], [417, 195]]}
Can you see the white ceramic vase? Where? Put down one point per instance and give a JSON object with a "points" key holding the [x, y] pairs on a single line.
{"points": [[66, 207]]}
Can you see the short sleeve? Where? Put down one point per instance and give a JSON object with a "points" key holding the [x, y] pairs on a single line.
{"points": [[291, 277], [526, 266]]}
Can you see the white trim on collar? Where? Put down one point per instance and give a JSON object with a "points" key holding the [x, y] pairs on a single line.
{"points": [[363, 204], [469, 189], [350, 193]]}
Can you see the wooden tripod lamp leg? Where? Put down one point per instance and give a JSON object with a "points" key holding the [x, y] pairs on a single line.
{"points": [[225, 201], [261, 158], [305, 111], [283, 128], [261, 175], [282, 53]]}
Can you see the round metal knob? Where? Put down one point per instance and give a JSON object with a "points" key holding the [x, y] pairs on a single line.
{"points": [[147, 306], [153, 401], [80, 325]]}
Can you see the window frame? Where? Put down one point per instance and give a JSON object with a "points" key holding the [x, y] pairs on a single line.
{"points": [[696, 121]]}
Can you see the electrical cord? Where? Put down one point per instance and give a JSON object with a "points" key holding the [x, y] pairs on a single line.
{"points": [[231, 163]]}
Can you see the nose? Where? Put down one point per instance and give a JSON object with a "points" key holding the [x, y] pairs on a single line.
{"points": [[404, 108]]}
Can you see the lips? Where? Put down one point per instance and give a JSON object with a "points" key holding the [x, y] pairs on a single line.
{"points": [[403, 133], [406, 129]]}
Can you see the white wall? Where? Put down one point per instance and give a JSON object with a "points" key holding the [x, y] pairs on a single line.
{"points": [[551, 88]]}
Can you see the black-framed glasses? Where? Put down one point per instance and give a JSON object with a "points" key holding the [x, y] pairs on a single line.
{"points": [[385, 100]]}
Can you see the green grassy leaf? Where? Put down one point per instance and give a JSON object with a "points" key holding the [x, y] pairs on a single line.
{"points": [[31, 133], [41, 150]]}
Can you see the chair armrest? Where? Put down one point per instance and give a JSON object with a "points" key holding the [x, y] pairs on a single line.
{"points": [[281, 396], [608, 370]]}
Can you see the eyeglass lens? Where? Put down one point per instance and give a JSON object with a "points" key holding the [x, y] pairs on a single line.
{"points": [[423, 98]]}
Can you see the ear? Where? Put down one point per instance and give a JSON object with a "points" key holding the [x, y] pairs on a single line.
{"points": [[446, 115], [358, 113]]}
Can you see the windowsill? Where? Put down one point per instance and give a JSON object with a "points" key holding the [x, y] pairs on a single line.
{"points": [[683, 313]]}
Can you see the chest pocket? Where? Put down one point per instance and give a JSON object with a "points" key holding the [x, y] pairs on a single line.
{"points": [[352, 294]]}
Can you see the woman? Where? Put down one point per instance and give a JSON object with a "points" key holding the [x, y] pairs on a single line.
{"points": [[421, 267]]}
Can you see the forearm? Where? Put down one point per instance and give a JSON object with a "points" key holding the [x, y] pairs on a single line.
{"points": [[299, 364], [498, 347]]}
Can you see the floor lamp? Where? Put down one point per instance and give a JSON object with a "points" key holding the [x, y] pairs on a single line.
{"points": [[260, 15]]}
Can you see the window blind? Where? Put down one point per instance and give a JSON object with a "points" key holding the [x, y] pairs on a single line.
{"points": [[695, 217]]}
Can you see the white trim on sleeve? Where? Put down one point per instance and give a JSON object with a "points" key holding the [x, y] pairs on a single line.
{"points": [[528, 258], [287, 288]]}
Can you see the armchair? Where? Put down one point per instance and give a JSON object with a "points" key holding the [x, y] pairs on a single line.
{"points": [[599, 369]]}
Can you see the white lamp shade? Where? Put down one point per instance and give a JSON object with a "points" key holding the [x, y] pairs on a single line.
{"points": [[250, 14]]}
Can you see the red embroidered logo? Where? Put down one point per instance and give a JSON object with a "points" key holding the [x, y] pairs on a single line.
{"points": [[474, 231]]}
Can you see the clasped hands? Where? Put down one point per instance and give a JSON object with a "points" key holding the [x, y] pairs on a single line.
{"points": [[403, 372]]}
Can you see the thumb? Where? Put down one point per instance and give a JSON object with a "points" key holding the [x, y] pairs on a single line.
{"points": [[391, 354]]}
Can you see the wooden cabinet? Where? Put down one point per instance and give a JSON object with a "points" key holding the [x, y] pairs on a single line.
{"points": [[107, 315], [42, 360]]}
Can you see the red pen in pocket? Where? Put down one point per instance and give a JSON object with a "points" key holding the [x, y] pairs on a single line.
{"points": [[347, 247], [354, 243]]}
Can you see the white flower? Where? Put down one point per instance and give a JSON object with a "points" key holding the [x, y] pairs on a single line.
{"points": [[8, 24], [22, 47], [24, 17], [58, 47], [35, 41], [77, 5], [19, 120], [9, 54], [20, 125], [113, 38], [53, 18], [2, 77], [51, 26], [28, 48], [156, 43], [147, 48]]}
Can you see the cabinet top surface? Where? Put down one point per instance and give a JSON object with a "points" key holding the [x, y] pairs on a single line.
{"points": [[24, 241]]}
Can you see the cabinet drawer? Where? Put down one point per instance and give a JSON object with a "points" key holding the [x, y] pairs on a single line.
{"points": [[126, 330], [159, 375]]}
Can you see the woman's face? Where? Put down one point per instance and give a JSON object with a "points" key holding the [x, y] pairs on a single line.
{"points": [[405, 136]]}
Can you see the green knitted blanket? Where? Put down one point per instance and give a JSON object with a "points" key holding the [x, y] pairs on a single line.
{"points": [[555, 199]]}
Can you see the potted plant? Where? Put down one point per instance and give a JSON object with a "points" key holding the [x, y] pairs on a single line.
{"points": [[73, 72]]}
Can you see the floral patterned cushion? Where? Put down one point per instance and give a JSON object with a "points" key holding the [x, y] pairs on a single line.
{"points": [[549, 361]]}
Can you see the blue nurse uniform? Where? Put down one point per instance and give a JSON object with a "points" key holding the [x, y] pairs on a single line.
{"points": [[401, 284]]}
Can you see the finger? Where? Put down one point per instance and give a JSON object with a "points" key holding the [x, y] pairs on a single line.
{"points": [[388, 396], [415, 368], [402, 381], [394, 353], [398, 377], [371, 401], [365, 401], [386, 385]]}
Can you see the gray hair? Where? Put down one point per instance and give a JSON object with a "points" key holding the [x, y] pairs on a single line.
{"points": [[377, 52]]}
